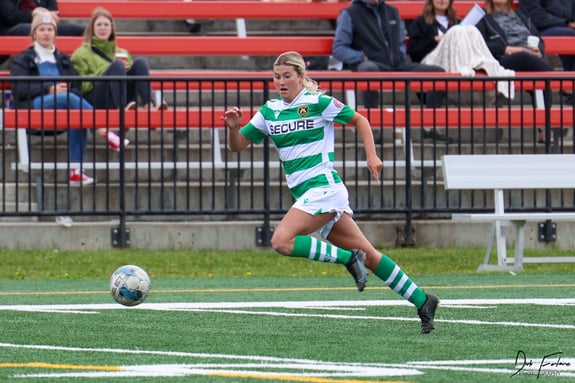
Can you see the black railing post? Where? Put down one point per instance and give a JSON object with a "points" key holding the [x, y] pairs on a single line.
{"points": [[121, 234], [408, 232], [547, 104], [264, 232]]}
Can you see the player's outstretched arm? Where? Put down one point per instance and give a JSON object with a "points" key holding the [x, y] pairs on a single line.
{"points": [[374, 163]]}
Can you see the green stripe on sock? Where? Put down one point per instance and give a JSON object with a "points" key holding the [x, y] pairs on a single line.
{"points": [[301, 246], [392, 275], [316, 250]]}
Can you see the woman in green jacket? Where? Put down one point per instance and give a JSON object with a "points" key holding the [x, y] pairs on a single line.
{"points": [[99, 55]]}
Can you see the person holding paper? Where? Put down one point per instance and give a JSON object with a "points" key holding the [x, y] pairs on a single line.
{"points": [[436, 38], [473, 16]]}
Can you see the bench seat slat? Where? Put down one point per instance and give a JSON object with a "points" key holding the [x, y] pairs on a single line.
{"points": [[527, 217], [210, 117], [509, 171], [498, 172]]}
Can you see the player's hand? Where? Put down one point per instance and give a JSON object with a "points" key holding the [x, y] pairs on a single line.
{"points": [[232, 118], [374, 164]]}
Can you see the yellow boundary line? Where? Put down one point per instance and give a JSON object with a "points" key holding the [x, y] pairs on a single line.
{"points": [[295, 289], [289, 378], [292, 378]]}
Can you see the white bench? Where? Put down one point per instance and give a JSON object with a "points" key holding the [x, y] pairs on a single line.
{"points": [[510, 172]]}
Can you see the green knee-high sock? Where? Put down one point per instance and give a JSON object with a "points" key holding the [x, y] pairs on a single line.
{"points": [[312, 248], [392, 275]]}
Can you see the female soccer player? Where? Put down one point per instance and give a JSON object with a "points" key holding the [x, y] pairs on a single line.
{"points": [[300, 123]]}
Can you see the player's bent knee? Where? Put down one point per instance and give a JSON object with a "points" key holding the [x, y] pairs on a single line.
{"points": [[281, 246]]}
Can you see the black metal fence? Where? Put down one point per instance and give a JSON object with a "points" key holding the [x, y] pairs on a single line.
{"points": [[177, 166]]}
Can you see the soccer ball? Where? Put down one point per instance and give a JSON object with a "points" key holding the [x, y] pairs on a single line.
{"points": [[130, 285]]}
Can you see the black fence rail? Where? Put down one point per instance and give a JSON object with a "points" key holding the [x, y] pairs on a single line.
{"points": [[177, 166]]}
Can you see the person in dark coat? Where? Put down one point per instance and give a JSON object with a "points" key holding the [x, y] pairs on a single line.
{"points": [[43, 59], [370, 36], [554, 18], [16, 16]]}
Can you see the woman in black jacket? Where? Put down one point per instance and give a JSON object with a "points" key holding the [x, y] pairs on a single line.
{"points": [[505, 31]]}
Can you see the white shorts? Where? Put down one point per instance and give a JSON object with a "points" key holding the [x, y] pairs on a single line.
{"points": [[328, 199]]}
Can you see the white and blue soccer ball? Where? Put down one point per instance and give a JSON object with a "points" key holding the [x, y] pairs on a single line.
{"points": [[130, 285]]}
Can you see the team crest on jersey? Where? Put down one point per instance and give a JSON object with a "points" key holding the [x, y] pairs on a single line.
{"points": [[337, 103], [302, 111]]}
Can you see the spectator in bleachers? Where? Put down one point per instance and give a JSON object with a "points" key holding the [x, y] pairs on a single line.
{"points": [[100, 55], [435, 38], [554, 18], [300, 123], [44, 59], [193, 25], [318, 62], [16, 16], [370, 36], [506, 33]]}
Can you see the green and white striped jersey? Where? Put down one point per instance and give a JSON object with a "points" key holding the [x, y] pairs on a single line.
{"points": [[303, 134]]}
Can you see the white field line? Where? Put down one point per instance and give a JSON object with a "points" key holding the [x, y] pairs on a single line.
{"points": [[465, 303], [403, 319], [239, 308], [302, 370]]}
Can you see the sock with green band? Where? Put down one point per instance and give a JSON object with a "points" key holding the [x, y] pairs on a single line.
{"points": [[312, 248], [392, 275]]}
